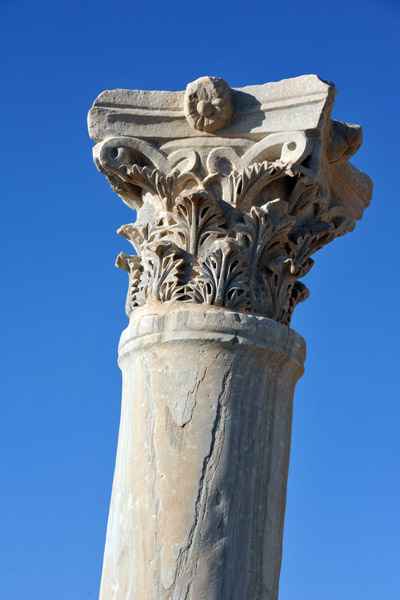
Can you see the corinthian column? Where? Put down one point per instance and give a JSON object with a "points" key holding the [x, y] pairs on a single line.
{"points": [[234, 190]]}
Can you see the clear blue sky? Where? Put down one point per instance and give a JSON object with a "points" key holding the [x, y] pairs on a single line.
{"points": [[62, 300]]}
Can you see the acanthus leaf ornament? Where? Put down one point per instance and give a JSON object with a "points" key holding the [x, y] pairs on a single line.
{"points": [[247, 184], [133, 265], [196, 220], [234, 194], [162, 267], [221, 278]]}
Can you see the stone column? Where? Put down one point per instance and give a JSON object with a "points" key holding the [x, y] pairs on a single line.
{"points": [[234, 190]]}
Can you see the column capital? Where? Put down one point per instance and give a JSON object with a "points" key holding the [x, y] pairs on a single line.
{"points": [[234, 189]]}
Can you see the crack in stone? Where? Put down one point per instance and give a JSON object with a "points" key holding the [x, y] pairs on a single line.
{"points": [[183, 553], [193, 393]]}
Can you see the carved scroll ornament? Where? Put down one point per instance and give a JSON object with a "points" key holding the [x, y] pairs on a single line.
{"points": [[231, 218]]}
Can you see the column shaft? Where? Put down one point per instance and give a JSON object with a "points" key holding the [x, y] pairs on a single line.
{"points": [[235, 190], [200, 483]]}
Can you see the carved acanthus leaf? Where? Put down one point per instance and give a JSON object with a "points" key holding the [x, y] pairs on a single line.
{"points": [[196, 220], [154, 181], [262, 235], [138, 236], [133, 265], [163, 269], [221, 278], [235, 189], [133, 235], [248, 183], [279, 279]]}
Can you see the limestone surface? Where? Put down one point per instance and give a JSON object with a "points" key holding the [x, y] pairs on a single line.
{"points": [[235, 190], [200, 482]]}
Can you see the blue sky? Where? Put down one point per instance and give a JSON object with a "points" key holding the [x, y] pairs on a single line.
{"points": [[62, 300]]}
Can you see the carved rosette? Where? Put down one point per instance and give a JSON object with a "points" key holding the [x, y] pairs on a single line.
{"points": [[233, 221], [208, 104]]}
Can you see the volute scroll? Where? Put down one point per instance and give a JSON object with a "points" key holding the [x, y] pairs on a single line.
{"points": [[231, 217]]}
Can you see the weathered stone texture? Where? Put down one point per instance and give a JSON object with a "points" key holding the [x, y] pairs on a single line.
{"points": [[198, 502], [235, 190]]}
